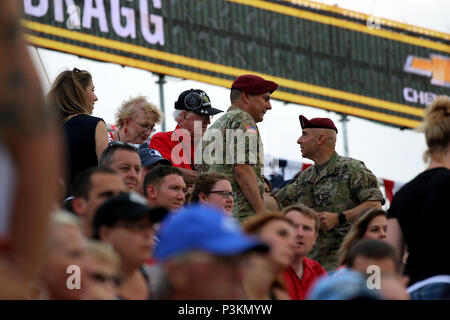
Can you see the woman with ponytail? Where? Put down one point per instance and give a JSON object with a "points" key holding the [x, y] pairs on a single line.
{"points": [[419, 215], [72, 97]]}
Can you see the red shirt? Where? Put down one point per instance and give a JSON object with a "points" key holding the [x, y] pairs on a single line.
{"points": [[298, 288], [177, 141]]}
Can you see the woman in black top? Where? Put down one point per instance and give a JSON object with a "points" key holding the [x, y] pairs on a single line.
{"points": [[72, 96], [419, 214]]}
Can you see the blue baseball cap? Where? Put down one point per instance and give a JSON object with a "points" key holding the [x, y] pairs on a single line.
{"points": [[343, 285], [151, 156], [202, 228]]}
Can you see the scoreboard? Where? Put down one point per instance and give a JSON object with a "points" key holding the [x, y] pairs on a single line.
{"points": [[322, 56]]}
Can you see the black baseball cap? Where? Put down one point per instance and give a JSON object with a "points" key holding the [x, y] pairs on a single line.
{"points": [[128, 206], [197, 101]]}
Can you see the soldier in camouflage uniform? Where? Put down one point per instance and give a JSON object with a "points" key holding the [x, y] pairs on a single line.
{"points": [[339, 188], [232, 145]]}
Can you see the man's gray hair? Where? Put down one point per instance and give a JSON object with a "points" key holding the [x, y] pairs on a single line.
{"points": [[177, 115]]}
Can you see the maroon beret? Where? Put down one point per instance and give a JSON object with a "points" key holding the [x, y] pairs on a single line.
{"points": [[254, 84], [324, 123]]}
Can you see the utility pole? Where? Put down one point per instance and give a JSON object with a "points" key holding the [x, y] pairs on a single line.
{"points": [[344, 119], [161, 81]]}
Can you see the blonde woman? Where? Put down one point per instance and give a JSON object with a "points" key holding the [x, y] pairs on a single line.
{"points": [[135, 120], [102, 267]]}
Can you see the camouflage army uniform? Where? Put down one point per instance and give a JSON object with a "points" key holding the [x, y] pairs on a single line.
{"points": [[229, 153], [338, 185]]}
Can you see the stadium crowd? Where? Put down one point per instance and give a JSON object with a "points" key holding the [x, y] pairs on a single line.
{"points": [[136, 214]]}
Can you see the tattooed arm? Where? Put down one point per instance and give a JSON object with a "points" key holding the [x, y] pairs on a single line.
{"points": [[30, 136]]}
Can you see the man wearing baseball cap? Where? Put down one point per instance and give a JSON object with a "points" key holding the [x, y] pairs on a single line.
{"points": [[242, 156], [339, 188], [192, 106], [126, 222], [200, 252], [150, 158], [192, 109]]}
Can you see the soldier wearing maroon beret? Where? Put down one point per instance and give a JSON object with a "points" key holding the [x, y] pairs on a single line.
{"points": [[339, 188], [241, 154]]}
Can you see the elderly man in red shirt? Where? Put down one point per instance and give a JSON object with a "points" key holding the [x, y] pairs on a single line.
{"points": [[303, 271], [192, 110]]}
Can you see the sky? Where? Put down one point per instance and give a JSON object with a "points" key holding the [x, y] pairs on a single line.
{"points": [[388, 152]]}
